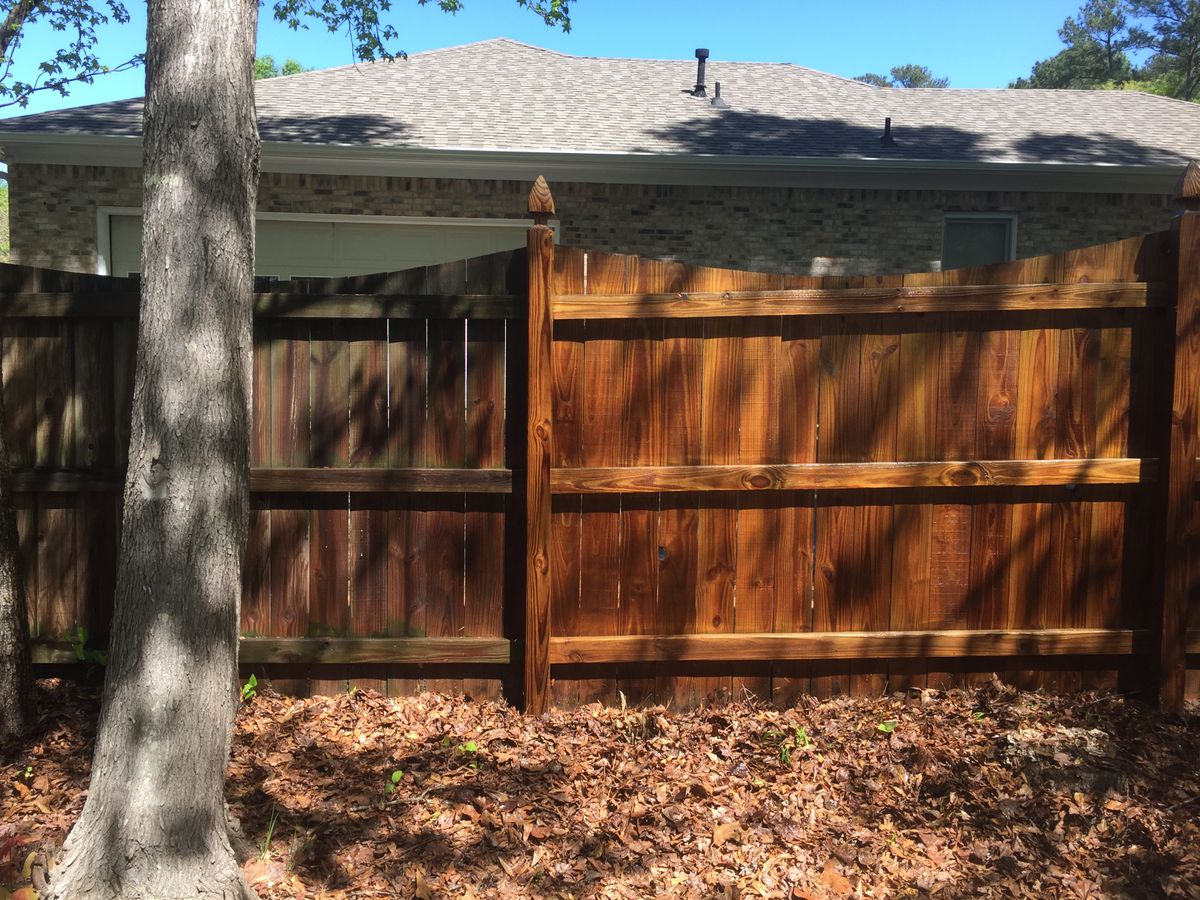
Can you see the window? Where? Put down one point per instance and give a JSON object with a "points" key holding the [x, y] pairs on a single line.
{"points": [[971, 239], [304, 245]]}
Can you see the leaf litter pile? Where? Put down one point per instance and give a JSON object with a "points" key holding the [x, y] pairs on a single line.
{"points": [[987, 792]]}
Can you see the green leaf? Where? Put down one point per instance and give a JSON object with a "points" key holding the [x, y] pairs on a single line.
{"points": [[886, 727]]}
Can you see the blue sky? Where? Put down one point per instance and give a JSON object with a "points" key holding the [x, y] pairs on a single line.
{"points": [[974, 43]]}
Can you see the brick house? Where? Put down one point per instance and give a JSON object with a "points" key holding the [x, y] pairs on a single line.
{"points": [[389, 165]]}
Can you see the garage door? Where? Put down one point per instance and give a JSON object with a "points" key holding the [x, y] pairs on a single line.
{"points": [[292, 248]]}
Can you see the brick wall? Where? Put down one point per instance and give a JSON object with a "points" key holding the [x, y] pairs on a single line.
{"points": [[802, 230]]}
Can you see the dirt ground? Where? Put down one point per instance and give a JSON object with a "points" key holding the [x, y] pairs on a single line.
{"points": [[959, 794]]}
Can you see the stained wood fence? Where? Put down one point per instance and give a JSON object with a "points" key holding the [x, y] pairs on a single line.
{"points": [[571, 473]]}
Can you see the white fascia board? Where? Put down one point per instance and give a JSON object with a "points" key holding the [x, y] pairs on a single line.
{"points": [[631, 168]]}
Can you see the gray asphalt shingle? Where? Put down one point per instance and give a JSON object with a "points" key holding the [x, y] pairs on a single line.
{"points": [[504, 95]]}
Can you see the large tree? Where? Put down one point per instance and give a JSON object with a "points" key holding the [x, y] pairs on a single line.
{"points": [[267, 67], [909, 75], [1096, 38], [1170, 30], [154, 824]]}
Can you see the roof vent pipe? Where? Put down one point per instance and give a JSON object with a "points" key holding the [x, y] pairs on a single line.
{"points": [[887, 140], [717, 100], [701, 56]]}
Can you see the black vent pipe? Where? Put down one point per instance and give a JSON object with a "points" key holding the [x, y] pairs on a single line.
{"points": [[699, 90]]}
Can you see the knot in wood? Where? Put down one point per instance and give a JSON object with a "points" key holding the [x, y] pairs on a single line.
{"points": [[965, 475]]}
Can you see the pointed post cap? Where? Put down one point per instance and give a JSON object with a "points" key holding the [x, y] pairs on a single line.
{"points": [[541, 202], [1187, 195]]}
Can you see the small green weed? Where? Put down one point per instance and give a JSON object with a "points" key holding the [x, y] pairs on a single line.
{"points": [[250, 689], [83, 653], [266, 844], [471, 749], [886, 727], [394, 780], [798, 740]]}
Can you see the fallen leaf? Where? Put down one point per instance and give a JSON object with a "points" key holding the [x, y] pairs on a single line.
{"points": [[726, 831], [834, 879]]}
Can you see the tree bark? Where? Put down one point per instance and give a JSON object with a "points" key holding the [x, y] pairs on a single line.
{"points": [[16, 683], [154, 824]]}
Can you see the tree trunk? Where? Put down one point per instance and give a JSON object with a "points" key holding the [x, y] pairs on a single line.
{"points": [[154, 825], [16, 686]]}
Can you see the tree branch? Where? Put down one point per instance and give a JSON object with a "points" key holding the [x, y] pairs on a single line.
{"points": [[13, 23]]}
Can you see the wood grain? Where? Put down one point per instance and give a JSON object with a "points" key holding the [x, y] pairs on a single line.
{"points": [[1179, 479], [539, 425], [841, 301], [852, 476]]}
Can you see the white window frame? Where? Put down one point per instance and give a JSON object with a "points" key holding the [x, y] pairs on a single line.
{"points": [[1010, 217], [104, 216]]}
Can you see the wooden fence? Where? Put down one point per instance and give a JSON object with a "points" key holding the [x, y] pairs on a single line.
{"points": [[676, 482]]}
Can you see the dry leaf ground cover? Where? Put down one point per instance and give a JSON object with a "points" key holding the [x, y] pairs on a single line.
{"points": [[958, 794]]}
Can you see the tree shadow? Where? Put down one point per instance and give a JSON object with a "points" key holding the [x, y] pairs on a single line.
{"points": [[742, 133], [123, 118]]}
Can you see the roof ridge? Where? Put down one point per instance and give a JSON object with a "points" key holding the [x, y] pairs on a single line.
{"points": [[503, 39], [362, 63], [680, 60]]}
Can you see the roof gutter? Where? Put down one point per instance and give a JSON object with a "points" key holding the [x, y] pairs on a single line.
{"points": [[629, 168]]}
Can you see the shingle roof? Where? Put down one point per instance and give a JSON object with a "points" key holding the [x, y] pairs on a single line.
{"points": [[504, 95]]}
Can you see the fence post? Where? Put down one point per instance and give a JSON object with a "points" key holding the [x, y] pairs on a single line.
{"points": [[1183, 448], [538, 435]]}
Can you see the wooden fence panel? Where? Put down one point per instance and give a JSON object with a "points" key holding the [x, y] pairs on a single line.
{"points": [[959, 386], [736, 508]]}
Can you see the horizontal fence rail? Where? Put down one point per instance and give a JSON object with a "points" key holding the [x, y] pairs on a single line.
{"points": [[849, 645], [569, 476], [340, 651], [861, 301], [852, 476], [274, 305], [298, 481]]}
